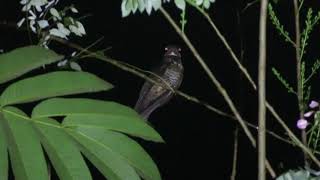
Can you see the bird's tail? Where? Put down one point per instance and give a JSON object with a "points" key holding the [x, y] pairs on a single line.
{"points": [[145, 112]]}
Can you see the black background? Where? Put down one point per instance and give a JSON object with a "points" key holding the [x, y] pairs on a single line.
{"points": [[199, 143]]}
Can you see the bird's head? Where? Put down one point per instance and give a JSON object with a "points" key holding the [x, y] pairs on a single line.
{"points": [[172, 51]]}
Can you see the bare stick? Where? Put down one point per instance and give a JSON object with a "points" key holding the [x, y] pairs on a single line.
{"points": [[299, 75], [235, 155], [262, 90]]}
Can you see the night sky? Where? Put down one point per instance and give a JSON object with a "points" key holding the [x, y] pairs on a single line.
{"points": [[199, 143]]}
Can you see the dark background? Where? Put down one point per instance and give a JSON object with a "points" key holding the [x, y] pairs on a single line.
{"points": [[199, 143]]}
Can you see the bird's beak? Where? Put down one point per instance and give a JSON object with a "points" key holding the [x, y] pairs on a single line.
{"points": [[172, 53]]}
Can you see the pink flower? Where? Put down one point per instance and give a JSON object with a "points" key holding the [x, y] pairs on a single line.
{"points": [[308, 114], [313, 104], [302, 123]]}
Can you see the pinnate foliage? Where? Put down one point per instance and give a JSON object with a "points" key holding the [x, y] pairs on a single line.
{"points": [[131, 6], [99, 130]]}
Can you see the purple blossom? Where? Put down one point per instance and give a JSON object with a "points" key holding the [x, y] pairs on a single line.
{"points": [[302, 124], [313, 104], [308, 114]]}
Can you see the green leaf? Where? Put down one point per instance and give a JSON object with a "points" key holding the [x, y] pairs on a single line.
{"points": [[75, 66], [80, 106], [132, 126], [129, 5], [62, 151], [3, 151], [128, 149], [22, 60], [156, 4], [109, 162], [97, 114], [199, 2], [27, 158], [181, 4], [51, 85], [283, 81], [124, 11], [141, 5], [135, 5], [148, 6], [295, 175], [206, 4]]}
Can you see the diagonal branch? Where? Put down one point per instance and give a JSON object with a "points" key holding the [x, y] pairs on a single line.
{"points": [[224, 41]]}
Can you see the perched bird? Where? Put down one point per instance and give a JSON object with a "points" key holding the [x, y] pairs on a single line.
{"points": [[169, 73]]}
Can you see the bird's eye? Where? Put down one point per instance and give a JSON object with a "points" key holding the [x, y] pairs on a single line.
{"points": [[166, 49], [179, 49]]}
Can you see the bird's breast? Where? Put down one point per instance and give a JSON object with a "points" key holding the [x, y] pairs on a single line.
{"points": [[173, 76]]}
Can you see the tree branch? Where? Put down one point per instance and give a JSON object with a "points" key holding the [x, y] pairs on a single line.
{"points": [[235, 155], [300, 93], [262, 90]]}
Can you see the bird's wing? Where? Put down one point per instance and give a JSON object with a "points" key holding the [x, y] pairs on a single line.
{"points": [[143, 93], [151, 93], [159, 101]]}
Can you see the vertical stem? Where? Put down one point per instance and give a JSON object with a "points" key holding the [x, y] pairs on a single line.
{"points": [[299, 77], [241, 103], [262, 91], [235, 155]]}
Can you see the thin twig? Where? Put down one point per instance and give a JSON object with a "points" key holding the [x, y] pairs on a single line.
{"points": [[299, 80], [224, 41], [216, 83], [249, 5], [262, 90], [301, 3], [90, 46], [299, 75], [235, 155]]}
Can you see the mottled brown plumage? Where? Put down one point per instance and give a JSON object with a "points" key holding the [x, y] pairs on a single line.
{"points": [[152, 95]]}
